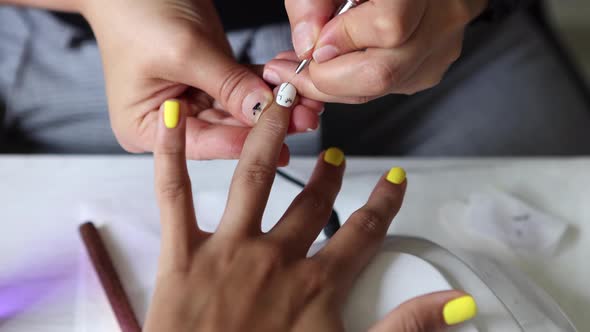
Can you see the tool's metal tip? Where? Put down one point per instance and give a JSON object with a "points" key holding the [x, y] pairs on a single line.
{"points": [[301, 66]]}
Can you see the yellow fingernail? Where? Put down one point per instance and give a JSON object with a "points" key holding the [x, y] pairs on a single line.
{"points": [[171, 113], [459, 310], [334, 156], [396, 175]]}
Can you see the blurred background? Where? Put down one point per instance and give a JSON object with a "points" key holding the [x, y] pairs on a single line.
{"points": [[571, 19]]}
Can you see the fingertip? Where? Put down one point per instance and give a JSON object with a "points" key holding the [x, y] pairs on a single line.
{"points": [[334, 156], [171, 113], [459, 310], [396, 175], [433, 312], [171, 127]]}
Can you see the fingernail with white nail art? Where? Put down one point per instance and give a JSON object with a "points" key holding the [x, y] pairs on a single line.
{"points": [[286, 95]]}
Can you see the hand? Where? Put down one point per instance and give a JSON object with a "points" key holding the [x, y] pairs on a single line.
{"points": [[153, 50], [240, 279], [378, 48]]}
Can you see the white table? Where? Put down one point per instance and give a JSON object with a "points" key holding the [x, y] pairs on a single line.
{"points": [[40, 199]]}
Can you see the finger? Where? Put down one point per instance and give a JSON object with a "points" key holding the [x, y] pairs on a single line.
{"points": [[209, 68], [173, 186], [313, 105], [276, 71], [307, 17], [255, 171], [303, 117], [431, 312], [218, 117], [309, 212], [380, 71], [355, 244], [434, 67], [373, 24], [287, 55], [376, 72]]}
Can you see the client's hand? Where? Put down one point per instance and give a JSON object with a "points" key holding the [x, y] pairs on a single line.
{"points": [[154, 50], [240, 279]]}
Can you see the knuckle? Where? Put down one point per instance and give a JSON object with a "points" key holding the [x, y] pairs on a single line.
{"points": [[369, 222], [259, 173], [412, 322], [174, 189], [268, 255], [390, 29], [348, 36], [274, 127], [316, 276], [381, 77], [316, 200], [182, 50], [230, 86]]}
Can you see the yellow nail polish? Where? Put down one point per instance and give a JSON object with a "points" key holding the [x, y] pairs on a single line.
{"points": [[396, 175], [459, 310], [334, 156], [171, 113]]}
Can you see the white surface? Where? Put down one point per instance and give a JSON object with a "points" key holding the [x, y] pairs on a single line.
{"points": [[500, 217], [391, 279], [41, 198]]}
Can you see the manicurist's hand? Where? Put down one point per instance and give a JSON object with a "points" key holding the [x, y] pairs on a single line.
{"points": [[240, 279], [378, 48], [153, 50]]}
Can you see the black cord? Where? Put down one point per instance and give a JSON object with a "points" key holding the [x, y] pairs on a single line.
{"points": [[333, 224]]}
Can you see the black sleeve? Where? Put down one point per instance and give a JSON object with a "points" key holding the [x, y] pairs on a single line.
{"points": [[500, 9]]}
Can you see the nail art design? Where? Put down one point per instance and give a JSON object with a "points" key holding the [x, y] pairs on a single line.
{"points": [[286, 95], [256, 109], [255, 104]]}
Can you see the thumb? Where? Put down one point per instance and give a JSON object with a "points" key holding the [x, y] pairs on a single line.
{"points": [[239, 89], [307, 18], [431, 312]]}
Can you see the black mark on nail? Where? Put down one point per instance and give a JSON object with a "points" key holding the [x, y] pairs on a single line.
{"points": [[288, 101], [256, 108]]}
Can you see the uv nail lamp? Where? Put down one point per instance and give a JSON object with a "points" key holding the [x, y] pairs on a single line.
{"points": [[408, 267]]}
